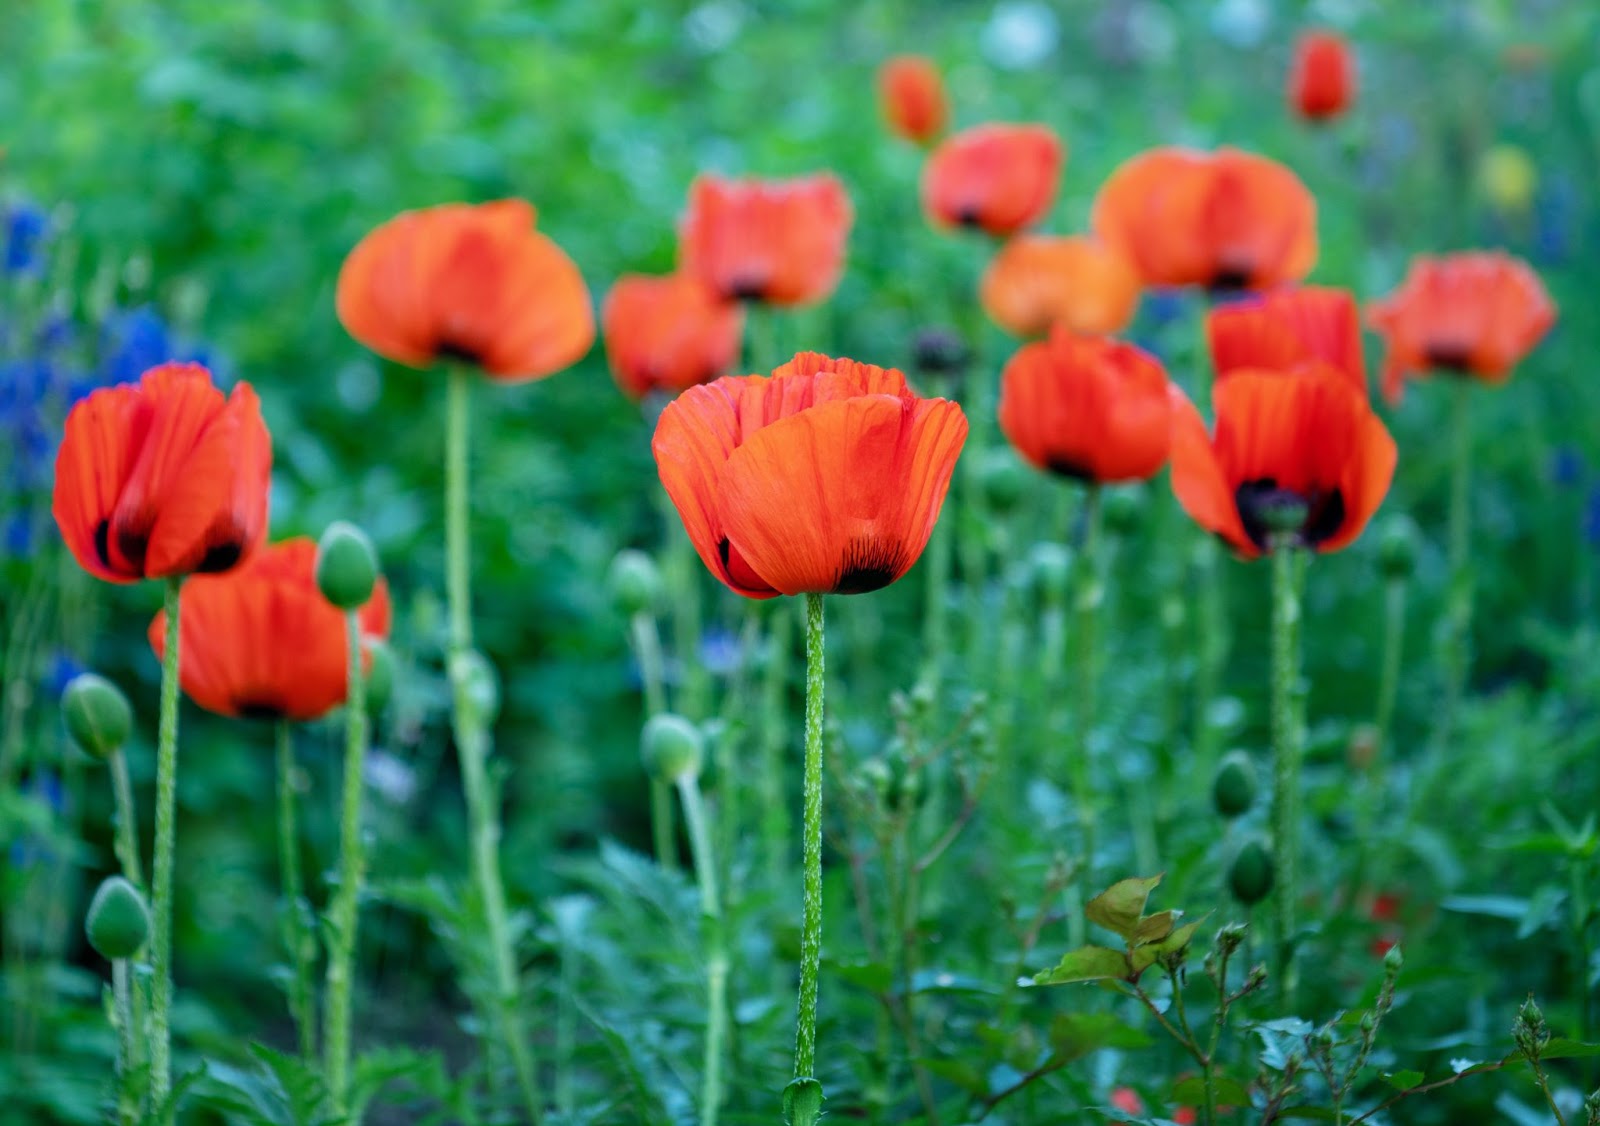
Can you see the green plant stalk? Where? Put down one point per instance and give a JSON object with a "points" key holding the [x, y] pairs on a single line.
{"points": [[1086, 610], [1286, 762], [1211, 649], [688, 610], [1582, 916], [301, 1006], [1457, 636], [705, 867], [472, 747], [805, 1040], [344, 913], [127, 839], [647, 651], [127, 1039], [161, 865]]}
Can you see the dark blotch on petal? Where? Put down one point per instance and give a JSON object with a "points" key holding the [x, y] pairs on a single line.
{"points": [[220, 557], [450, 350], [102, 542], [1450, 358], [1261, 503], [133, 541], [259, 709], [870, 565], [1065, 467]]}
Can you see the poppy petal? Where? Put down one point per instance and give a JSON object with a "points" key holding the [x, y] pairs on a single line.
{"points": [[103, 436], [1199, 480]]}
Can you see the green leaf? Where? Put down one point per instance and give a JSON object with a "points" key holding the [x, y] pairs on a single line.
{"points": [[874, 977], [1154, 928], [1145, 956], [1074, 1035], [1191, 1090], [1402, 1080], [1561, 1048], [1121, 905], [1087, 963], [1494, 906]]}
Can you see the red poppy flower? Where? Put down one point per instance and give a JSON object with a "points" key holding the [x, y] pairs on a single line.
{"points": [[912, 96], [1225, 220], [668, 333], [1306, 440], [1087, 407], [1127, 1100], [824, 478], [163, 477], [1000, 178], [777, 241], [1322, 78], [1036, 281], [262, 642], [1287, 329], [467, 282], [1477, 313]]}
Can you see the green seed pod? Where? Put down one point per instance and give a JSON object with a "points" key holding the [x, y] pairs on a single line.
{"points": [[671, 747], [347, 566], [1123, 510], [118, 921], [635, 582], [97, 714], [1234, 790], [1250, 877], [1397, 547], [1052, 570], [380, 673], [1005, 480]]}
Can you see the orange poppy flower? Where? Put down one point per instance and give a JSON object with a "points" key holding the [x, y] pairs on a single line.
{"points": [[999, 178], [1286, 329], [824, 478], [911, 93], [1225, 220], [163, 477], [1477, 313], [1036, 281], [668, 333], [1306, 440], [1087, 407], [777, 241], [1322, 78], [467, 282], [262, 642]]}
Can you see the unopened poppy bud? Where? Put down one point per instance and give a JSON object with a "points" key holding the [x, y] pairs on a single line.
{"points": [[1397, 547], [1234, 790], [477, 685], [97, 714], [347, 566], [118, 921], [671, 747], [635, 582], [1250, 877], [1052, 568], [1004, 481], [380, 673], [1124, 509]]}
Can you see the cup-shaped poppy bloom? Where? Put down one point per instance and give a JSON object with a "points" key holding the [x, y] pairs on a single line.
{"points": [[781, 242], [262, 642], [1036, 281], [1475, 314], [997, 178], [1226, 220], [824, 478], [1322, 77], [163, 477], [1296, 448], [467, 282], [668, 333], [911, 93], [1087, 407], [1289, 329]]}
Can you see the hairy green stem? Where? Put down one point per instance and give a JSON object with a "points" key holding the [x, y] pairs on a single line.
{"points": [[1286, 732], [344, 913], [1457, 635], [127, 838], [127, 1039], [161, 865], [805, 1040], [297, 934], [705, 867], [1086, 611]]}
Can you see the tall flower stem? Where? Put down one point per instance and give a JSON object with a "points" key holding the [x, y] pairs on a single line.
{"points": [[128, 996], [469, 724], [344, 913], [297, 934], [1286, 733], [705, 867], [647, 651], [127, 839], [1086, 612], [161, 865], [805, 1038], [1457, 635], [127, 1042]]}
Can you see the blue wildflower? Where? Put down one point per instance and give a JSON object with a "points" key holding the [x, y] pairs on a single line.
{"points": [[133, 341], [1566, 466], [26, 227], [1591, 518]]}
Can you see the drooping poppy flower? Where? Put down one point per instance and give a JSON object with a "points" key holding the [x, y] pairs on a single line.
{"points": [[824, 478], [1305, 444], [1286, 329], [1036, 281], [467, 282], [781, 242], [1322, 77], [163, 477], [262, 641], [1087, 407], [1477, 313], [668, 333], [997, 178], [911, 93], [1226, 220]]}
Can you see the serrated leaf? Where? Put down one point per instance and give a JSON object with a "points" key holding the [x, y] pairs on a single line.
{"points": [[1074, 1035], [1145, 956], [1154, 928], [1087, 963], [1402, 1080], [1121, 905], [1191, 1090]]}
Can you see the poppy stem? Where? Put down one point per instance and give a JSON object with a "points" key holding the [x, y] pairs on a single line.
{"points": [[344, 914], [1086, 611], [1286, 731], [469, 723], [647, 651], [1457, 635], [805, 1040], [705, 866], [161, 865], [297, 933], [127, 848], [122, 993]]}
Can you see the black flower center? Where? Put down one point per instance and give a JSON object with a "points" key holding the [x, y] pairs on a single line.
{"points": [[870, 564], [1273, 514]]}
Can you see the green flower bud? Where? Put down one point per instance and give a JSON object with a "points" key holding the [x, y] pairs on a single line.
{"points": [[1123, 510], [1250, 877], [1397, 547], [97, 714], [1393, 960], [347, 567], [1052, 569], [118, 921], [671, 747], [1234, 790], [380, 673], [635, 582], [1005, 480]]}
